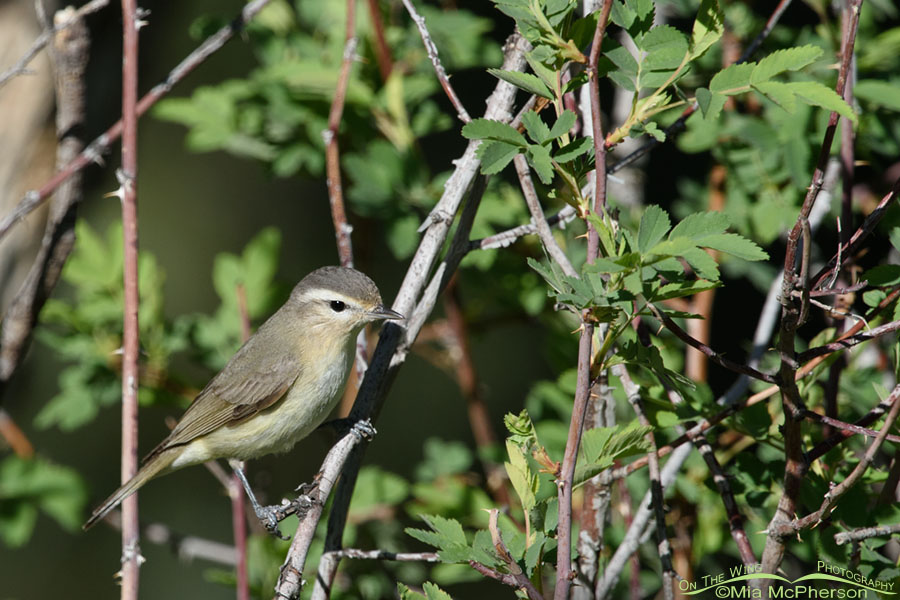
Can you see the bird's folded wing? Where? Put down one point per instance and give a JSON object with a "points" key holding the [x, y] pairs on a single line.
{"points": [[241, 389]]}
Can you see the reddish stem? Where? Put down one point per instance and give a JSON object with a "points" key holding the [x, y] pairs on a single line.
{"points": [[130, 342]]}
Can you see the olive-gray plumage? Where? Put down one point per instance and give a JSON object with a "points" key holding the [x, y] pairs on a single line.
{"points": [[279, 386]]}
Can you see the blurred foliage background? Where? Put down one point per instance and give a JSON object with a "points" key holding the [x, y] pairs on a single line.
{"points": [[231, 191]]}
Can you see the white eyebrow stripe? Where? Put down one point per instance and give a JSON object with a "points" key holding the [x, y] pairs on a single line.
{"points": [[326, 296]]}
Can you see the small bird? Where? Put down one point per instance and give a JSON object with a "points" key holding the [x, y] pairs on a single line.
{"points": [[278, 387]]}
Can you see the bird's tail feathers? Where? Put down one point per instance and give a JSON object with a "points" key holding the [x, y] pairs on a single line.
{"points": [[150, 470]]}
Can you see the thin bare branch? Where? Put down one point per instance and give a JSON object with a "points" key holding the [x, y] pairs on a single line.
{"points": [[432, 51], [342, 229], [864, 533], [127, 176], [735, 519], [849, 341], [508, 237], [850, 427], [633, 392], [382, 50], [709, 352], [540, 221]]}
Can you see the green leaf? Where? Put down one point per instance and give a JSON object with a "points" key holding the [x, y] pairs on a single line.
{"points": [[895, 238], [702, 263], [883, 275], [563, 124], [540, 161], [697, 225], [603, 265], [734, 244], [732, 80], [816, 93], [448, 529], [28, 486], [653, 227], [433, 592], [408, 594], [789, 59], [520, 476], [536, 128], [681, 289], [602, 446], [708, 27], [573, 150], [495, 156], [703, 97], [524, 81], [487, 129], [666, 49], [779, 93]]}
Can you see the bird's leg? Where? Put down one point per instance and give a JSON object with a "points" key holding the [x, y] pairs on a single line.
{"points": [[362, 429], [269, 516]]}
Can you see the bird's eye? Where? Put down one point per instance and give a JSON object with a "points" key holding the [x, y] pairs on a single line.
{"points": [[337, 305]]}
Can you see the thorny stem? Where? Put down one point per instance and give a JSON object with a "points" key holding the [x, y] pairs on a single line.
{"points": [[583, 378], [127, 175]]}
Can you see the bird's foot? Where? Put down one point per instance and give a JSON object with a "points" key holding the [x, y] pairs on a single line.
{"points": [[271, 516], [362, 429]]}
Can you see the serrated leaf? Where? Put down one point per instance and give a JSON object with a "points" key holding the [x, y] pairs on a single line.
{"points": [[573, 150], [716, 104], [449, 529], [603, 265], [702, 263], [653, 227], [732, 80], [563, 124], [816, 93], [488, 129], [536, 128], [433, 592], [534, 551], [734, 244], [697, 225], [788, 59], [779, 93], [540, 161], [524, 81], [622, 58], [708, 27], [495, 156], [666, 49], [683, 288]]}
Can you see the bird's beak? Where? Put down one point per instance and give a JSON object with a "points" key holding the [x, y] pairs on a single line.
{"points": [[380, 312]]}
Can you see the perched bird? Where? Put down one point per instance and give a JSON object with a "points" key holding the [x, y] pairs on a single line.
{"points": [[278, 387]]}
